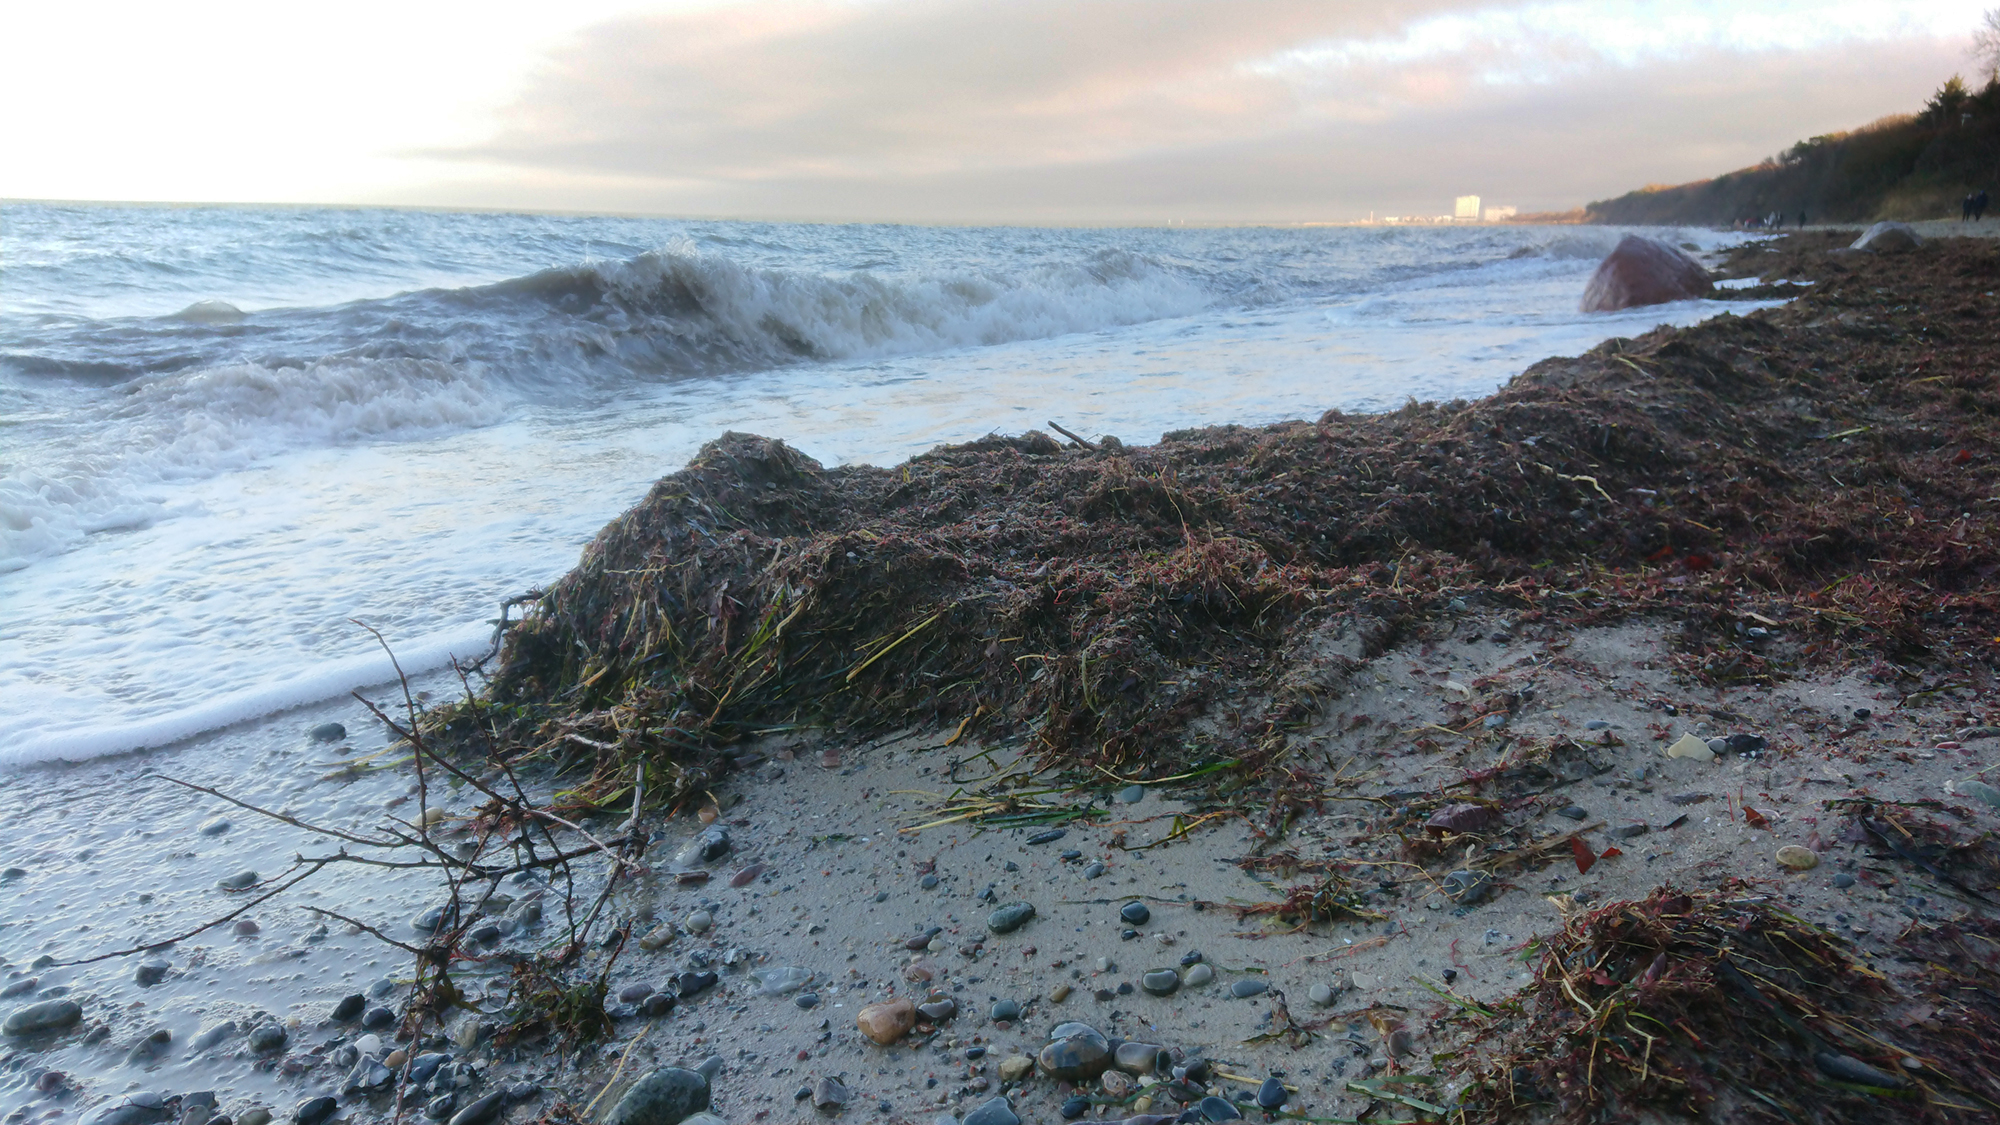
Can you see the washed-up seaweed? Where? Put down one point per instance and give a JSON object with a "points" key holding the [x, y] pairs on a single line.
{"points": [[1719, 1006], [1811, 484]]}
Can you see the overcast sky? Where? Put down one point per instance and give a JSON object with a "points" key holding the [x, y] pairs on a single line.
{"points": [[942, 110]]}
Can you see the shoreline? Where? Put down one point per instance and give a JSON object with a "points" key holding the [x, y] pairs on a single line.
{"points": [[1377, 741]]}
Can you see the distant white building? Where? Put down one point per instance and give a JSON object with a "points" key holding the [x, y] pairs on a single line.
{"points": [[1467, 209], [1499, 214]]}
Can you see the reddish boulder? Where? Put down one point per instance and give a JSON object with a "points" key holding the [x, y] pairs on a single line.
{"points": [[1644, 271]]}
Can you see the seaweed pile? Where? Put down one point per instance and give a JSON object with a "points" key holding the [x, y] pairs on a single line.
{"points": [[1720, 1006], [1809, 484]]}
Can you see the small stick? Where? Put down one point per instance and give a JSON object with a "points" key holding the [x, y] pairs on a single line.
{"points": [[1057, 428]]}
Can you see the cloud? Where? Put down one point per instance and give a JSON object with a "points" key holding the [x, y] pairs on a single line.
{"points": [[1106, 109]]}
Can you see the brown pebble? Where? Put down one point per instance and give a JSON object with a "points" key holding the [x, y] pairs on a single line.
{"points": [[709, 814], [920, 971], [395, 1059], [830, 759], [887, 1021], [747, 876], [1060, 994]]}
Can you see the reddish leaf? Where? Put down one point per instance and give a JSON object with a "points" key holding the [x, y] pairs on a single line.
{"points": [[1609, 853], [1754, 818], [1964, 455], [1585, 858]]}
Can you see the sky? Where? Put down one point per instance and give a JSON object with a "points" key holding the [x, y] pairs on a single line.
{"points": [[1091, 111]]}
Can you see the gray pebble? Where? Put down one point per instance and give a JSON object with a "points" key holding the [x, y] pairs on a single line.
{"points": [[214, 827], [150, 973], [1629, 831], [1574, 812], [1160, 982], [49, 1015], [1132, 794], [1135, 913], [1010, 917], [667, 1096], [806, 1000], [1843, 880], [1322, 995], [241, 880], [481, 1111], [995, 1111], [1247, 988], [313, 1111], [1597, 724], [1201, 974], [1468, 887], [327, 732], [1006, 1010], [928, 882], [267, 1037]]}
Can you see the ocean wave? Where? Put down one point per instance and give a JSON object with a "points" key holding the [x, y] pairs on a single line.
{"points": [[105, 467]]}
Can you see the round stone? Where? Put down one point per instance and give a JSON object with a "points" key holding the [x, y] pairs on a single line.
{"points": [[215, 826], [1076, 1058], [1244, 989], [49, 1015], [1798, 858], [1142, 1058], [667, 1096], [634, 993], [1271, 1094], [938, 1011], [658, 1004], [1843, 880], [1132, 794], [314, 1111], [1006, 1010], [379, 1019], [1218, 1109], [327, 732], [1074, 1108], [1322, 995], [1135, 913], [806, 1000], [150, 973], [1010, 917], [349, 1008], [1202, 973], [699, 922], [267, 1037], [242, 880], [995, 1111], [886, 1022], [1160, 982]]}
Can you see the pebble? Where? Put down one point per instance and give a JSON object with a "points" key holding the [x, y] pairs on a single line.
{"points": [[378, 1019], [327, 732], [1979, 791], [1462, 818], [667, 1096], [887, 1021], [1597, 724], [1244, 989], [659, 938], [1048, 837], [239, 881], [1006, 1010], [694, 983], [1323, 995], [1843, 880], [267, 1037], [25, 984], [1271, 1094], [1628, 831], [938, 1011], [1745, 743], [1010, 917], [255, 1115], [150, 973], [1218, 1109], [1691, 747], [247, 927], [699, 922], [1094, 869], [1074, 1108], [209, 1036], [439, 1108], [1135, 913], [1132, 794], [1798, 858], [1717, 745], [1013, 1068], [746, 876], [995, 1111], [1142, 1058], [1687, 798], [1105, 965], [807, 1000], [828, 1095], [313, 1111], [214, 826], [928, 882], [1468, 887], [657, 1005], [1494, 721], [1059, 994], [1191, 957], [1574, 812], [1081, 1055], [634, 993], [1201, 974], [1161, 982], [152, 1046]]}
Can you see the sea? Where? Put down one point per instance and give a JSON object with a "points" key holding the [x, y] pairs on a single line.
{"points": [[232, 437]]}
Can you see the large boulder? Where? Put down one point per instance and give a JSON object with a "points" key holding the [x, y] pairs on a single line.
{"points": [[1887, 238], [1644, 271]]}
